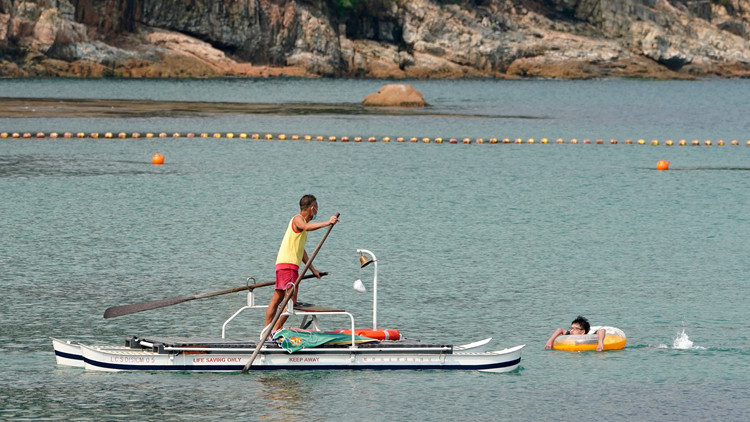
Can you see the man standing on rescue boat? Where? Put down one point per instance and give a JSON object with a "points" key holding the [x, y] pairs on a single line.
{"points": [[292, 252]]}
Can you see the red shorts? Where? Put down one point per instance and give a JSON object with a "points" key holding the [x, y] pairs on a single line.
{"points": [[285, 278]]}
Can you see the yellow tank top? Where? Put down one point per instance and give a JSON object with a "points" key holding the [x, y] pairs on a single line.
{"points": [[292, 246]]}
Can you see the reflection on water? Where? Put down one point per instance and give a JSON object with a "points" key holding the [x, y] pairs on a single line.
{"points": [[19, 166], [284, 395], [51, 107]]}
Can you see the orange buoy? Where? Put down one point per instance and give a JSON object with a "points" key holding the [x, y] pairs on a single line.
{"points": [[377, 334], [157, 159], [662, 165]]}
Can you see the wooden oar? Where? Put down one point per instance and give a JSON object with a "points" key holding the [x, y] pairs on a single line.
{"points": [[121, 310], [289, 294]]}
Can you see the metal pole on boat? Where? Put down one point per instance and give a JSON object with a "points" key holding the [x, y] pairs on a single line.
{"points": [[363, 262]]}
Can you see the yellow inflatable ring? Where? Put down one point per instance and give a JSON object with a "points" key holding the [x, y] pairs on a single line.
{"points": [[613, 340]]}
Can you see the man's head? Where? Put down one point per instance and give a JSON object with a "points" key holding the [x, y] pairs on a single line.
{"points": [[306, 202], [580, 325]]}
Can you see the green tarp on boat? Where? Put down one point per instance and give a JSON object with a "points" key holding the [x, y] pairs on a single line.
{"points": [[293, 340]]}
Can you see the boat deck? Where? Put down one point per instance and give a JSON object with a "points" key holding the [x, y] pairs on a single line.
{"points": [[163, 345]]}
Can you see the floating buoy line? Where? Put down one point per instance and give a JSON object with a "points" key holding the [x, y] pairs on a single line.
{"points": [[321, 138]]}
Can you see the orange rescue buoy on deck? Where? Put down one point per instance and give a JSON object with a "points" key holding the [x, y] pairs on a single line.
{"points": [[377, 334]]}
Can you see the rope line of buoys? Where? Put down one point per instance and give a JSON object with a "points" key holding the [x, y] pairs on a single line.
{"points": [[333, 138]]}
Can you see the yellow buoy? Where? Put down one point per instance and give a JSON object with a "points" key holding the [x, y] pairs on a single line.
{"points": [[614, 339]]}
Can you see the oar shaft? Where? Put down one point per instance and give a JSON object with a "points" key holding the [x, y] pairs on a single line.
{"points": [[287, 297], [121, 310]]}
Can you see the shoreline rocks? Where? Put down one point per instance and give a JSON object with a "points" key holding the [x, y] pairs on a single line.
{"points": [[402, 39]]}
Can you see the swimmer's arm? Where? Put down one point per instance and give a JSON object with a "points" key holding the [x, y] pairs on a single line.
{"points": [[600, 339], [555, 335]]}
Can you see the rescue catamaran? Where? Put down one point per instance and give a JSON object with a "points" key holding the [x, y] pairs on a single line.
{"points": [[306, 348]]}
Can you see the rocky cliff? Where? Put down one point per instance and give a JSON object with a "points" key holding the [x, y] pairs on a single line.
{"points": [[375, 38]]}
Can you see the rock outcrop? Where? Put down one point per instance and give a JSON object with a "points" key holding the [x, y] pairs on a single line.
{"points": [[375, 38], [395, 95]]}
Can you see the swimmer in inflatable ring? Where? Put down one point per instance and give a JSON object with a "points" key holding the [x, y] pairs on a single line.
{"points": [[579, 326]]}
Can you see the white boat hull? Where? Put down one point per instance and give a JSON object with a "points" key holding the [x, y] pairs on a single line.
{"points": [[233, 359], [70, 354]]}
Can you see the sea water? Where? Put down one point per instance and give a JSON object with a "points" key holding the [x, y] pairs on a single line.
{"points": [[472, 241]]}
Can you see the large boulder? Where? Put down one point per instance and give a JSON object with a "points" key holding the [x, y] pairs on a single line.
{"points": [[395, 95]]}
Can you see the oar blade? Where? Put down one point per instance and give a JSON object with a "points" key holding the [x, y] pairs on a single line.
{"points": [[116, 311]]}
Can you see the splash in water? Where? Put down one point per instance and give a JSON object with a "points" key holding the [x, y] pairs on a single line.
{"points": [[682, 341]]}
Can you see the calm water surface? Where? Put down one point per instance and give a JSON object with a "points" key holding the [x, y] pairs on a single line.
{"points": [[507, 241]]}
